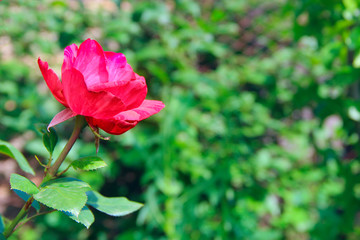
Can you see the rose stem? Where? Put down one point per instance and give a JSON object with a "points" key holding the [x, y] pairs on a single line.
{"points": [[79, 124], [51, 173], [8, 231]]}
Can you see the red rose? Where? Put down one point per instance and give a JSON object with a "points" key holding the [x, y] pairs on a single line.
{"points": [[101, 86]]}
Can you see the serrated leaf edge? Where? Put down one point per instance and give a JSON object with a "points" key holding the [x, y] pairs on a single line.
{"points": [[12, 188], [87, 227], [47, 184], [62, 210], [86, 170]]}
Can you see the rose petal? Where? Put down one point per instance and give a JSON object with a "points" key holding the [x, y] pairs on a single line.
{"points": [[61, 117], [132, 92], [90, 61], [70, 54], [118, 68], [52, 82], [87, 103], [126, 120], [122, 81], [111, 127], [145, 110], [114, 63]]}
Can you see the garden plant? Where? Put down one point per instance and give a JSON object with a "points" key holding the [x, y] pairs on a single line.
{"points": [[259, 139], [101, 90]]}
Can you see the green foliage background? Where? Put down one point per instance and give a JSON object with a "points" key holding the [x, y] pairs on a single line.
{"points": [[259, 137]]}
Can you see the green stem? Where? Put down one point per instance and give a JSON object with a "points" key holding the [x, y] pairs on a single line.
{"points": [[61, 173], [49, 162], [32, 217], [9, 230], [79, 124], [51, 173]]}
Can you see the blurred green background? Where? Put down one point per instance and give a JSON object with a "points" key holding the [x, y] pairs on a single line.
{"points": [[259, 137]]}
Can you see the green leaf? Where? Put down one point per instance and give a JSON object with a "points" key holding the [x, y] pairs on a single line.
{"points": [[24, 196], [86, 217], [9, 150], [64, 194], [2, 226], [88, 163], [23, 184], [114, 206], [50, 140], [2, 237]]}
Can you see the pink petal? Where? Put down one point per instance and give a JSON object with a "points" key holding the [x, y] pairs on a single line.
{"points": [[90, 61], [70, 54], [114, 61], [119, 70], [87, 103], [132, 92], [126, 120], [52, 82], [112, 127], [61, 117], [145, 110]]}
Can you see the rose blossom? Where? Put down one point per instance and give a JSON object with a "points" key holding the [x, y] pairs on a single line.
{"points": [[101, 86]]}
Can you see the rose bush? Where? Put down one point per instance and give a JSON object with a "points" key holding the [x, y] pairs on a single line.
{"points": [[101, 86]]}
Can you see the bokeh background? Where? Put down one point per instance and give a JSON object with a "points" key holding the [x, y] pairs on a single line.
{"points": [[260, 135]]}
